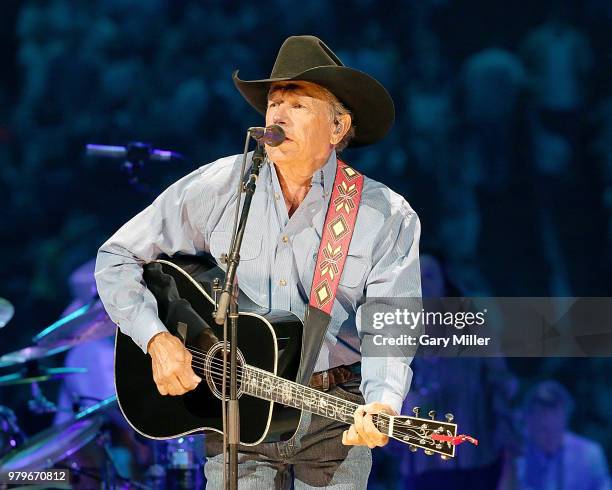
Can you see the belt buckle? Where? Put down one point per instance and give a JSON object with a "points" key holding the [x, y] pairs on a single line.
{"points": [[325, 380]]}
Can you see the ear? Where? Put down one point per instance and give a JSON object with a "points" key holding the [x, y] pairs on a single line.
{"points": [[341, 127]]}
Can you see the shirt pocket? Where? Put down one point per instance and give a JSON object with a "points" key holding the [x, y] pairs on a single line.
{"points": [[252, 276], [220, 243], [355, 269]]}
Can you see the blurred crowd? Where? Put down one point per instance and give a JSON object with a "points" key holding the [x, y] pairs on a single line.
{"points": [[502, 144]]}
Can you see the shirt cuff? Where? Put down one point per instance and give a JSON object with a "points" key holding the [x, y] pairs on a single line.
{"points": [[144, 327], [386, 396]]}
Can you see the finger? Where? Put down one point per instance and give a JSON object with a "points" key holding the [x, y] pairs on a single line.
{"points": [[170, 370], [159, 381], [373, 433], [351, 438], [359, 427], [173, 390], [188, 380], [175, 387], [190, 369], [162, 389], [173, 384]]}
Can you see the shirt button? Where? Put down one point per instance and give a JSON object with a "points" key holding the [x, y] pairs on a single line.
{"points": [[276, 196], [285, 238], [282, 282]]}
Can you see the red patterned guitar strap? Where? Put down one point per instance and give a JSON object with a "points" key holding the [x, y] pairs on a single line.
{"points": [[337, 233]]}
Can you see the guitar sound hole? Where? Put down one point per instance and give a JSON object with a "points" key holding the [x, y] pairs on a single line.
{"points": [[214, 371]]}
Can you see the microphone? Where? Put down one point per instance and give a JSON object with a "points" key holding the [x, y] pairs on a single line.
{"points": [[272, 135], [135, 151]]}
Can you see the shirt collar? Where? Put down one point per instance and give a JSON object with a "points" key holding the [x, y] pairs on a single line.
{"points": [[327, 174], [324, 177]]}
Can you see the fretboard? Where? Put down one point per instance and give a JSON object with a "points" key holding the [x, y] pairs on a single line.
{"points": [[262, 384]]}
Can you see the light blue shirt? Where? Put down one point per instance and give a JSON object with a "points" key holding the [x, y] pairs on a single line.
{"points": [[278, 258]]}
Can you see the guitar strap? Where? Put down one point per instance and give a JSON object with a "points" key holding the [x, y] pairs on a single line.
{"points": [[333, 249]]}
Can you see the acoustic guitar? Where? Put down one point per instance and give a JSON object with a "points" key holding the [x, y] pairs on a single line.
{"points": [[269, 348]]}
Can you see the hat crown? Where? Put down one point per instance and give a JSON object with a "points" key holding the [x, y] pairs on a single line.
{"points": [[301, 53]]}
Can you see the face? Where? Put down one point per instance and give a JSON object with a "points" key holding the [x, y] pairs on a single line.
{"points": [[306, 119], [546, 427]]}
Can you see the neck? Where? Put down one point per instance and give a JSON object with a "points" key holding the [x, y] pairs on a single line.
{"points": [[296, 180], [294, 190]]}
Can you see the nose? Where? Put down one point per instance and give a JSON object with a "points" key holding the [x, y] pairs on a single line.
{"points": [[280, 115]]}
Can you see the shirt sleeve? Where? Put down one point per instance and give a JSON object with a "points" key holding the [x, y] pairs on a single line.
{"points": [[393, 280], [173, 223], [598, 469]]}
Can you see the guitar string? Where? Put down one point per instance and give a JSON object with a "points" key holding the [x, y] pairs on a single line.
{"points": [[299, 390], [295, 392], [204, 356], [343, 410], [396, 433], [381, 421]]}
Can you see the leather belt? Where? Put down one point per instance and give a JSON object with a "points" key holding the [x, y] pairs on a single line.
{"points": [[324, 380]]}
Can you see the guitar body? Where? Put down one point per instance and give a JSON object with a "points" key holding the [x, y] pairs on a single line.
{"points": [[267, 339]]}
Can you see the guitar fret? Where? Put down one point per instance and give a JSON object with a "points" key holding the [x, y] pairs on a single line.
{"points": [[410, 430], [253, 381], [268, 386]]}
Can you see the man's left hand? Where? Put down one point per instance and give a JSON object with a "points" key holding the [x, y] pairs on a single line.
{"points": [[363, 432]]}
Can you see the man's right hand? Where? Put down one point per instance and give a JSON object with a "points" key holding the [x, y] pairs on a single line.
{"points": [[172, 371]]}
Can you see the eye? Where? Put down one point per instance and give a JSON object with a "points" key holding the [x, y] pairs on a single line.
{"points": [[272, 104], [297, 105]]}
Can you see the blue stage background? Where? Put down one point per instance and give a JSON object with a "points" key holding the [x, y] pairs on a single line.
{"points": [[502, 142]]}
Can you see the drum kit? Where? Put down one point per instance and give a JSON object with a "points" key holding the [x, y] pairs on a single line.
{"points": [[169, 465]]}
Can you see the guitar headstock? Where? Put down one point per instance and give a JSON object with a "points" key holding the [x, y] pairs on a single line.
{"points": [[417, 432]]}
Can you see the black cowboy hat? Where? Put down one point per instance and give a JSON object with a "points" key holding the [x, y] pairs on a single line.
{"points": [[307, 58]]}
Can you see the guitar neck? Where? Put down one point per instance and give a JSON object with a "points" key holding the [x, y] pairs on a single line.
{"points": [[414, 431], [262, 384]]}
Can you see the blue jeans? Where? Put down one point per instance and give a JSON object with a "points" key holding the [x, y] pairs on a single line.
{"points": [[314, 458]]}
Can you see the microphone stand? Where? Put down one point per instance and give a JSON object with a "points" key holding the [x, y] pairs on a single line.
{"points": [[228, 303]]}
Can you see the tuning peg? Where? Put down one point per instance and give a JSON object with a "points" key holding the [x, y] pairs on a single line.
{"points": [[429, 452], [444, 457], [413, 448], [449, 417], [416, 411], [432, 414]]}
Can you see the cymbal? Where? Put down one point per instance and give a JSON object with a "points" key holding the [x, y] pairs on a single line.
{"points": [[6, 311], [90, 322], [99, 407], [38, 375], [27, 354], [52, 445]]}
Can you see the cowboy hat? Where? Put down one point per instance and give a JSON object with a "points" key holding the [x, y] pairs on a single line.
{"points": [[307, 58]]}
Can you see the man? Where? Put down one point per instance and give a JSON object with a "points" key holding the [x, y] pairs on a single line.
{"points": [[554, 458], [482, 404], [322, 106]]}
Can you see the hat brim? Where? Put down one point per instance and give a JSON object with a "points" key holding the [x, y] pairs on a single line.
{"points": [[369, 102]]}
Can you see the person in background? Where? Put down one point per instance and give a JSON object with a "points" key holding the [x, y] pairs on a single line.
{"points": [[552, 457], [477, 391]]}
